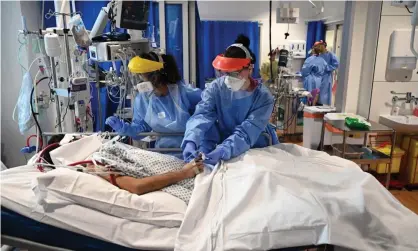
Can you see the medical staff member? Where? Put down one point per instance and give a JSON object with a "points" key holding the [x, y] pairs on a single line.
{"points": [[332, 64], [265, 68], [163, 103], [313, 71], [238, 105]]}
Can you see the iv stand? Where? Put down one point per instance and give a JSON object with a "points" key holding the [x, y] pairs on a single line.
{"points": [[67, 58], [57, 102], [54, 76]]}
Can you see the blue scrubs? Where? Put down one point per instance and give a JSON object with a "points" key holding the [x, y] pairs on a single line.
{"points": [[326, 87], [313, 71], [240, 118], [163, 114]]}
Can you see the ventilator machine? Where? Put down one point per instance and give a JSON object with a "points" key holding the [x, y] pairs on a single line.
{"points": [[64, 69]]}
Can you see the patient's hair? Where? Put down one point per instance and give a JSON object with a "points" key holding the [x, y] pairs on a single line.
{"points": [[56, 139], [168, 75]]}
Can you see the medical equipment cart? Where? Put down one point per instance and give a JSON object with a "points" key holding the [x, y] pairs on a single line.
{"points": [[374, 156]]}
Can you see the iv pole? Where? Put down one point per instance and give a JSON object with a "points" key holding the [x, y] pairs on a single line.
{"points": [[67, 58]]}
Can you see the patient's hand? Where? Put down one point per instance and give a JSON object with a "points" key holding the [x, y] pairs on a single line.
{"points": [[193, 168]]}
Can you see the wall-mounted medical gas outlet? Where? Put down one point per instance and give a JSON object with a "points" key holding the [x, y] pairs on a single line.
{"points": [[401, 63], [298, 48]]}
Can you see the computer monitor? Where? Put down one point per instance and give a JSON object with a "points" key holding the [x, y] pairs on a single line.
{"points": [[132, 14]]}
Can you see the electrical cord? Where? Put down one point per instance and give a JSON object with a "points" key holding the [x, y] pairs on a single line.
{"points": [[31, 107], [22, 44], [409, 11], [66, 110], [287, 32], [289, 122]]}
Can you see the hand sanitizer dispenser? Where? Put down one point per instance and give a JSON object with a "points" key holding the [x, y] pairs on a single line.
{"points": [[401, 61]]}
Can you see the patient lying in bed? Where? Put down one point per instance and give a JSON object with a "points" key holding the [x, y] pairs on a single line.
{"points": [[139, 171], [154, 183], [145, 171]]}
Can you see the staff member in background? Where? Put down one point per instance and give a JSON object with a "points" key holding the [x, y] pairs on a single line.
{"points": [[313, 71], [163, 103], [332, 64], [265, 68], [238, 105]]}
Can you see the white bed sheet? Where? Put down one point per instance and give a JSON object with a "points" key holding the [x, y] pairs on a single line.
{"points": [[17, 195], [289, 196]]}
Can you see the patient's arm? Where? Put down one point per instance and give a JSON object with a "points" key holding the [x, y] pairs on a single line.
{"points": [[157, 182]]}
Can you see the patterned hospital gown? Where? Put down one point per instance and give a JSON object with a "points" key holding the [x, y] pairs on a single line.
{"points": [[138, 163]]}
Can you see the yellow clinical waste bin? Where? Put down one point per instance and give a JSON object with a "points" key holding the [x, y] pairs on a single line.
{"points": [[412, 165], [397, 155]]}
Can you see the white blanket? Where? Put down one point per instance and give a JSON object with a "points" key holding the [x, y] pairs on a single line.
{"points": [[18, 183], [288, 196]]}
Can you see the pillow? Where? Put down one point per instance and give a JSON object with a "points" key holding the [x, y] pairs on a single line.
{"points": [[76, 151], [156, 208]]}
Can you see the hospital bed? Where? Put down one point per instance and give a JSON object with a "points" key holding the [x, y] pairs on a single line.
{"points": [[27, 226], [38, 236], [333, 201], [22, 232]]}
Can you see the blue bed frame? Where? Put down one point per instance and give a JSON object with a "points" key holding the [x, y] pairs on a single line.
{"points": [[16, 226], [23, 232]]}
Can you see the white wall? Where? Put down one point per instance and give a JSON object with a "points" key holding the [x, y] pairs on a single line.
{"points": [[11, 79], [356, 56], [11, 75], [392, 18], [259, 11]]}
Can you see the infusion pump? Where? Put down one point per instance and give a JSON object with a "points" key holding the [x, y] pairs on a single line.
{"points": [[108, 51]]}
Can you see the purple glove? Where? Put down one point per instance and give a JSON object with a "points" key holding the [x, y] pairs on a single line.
{"points": [[189, 152], [115, 123], [215, 156]]}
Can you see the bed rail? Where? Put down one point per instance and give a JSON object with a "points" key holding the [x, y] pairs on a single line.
{"points": [[46, 135]]}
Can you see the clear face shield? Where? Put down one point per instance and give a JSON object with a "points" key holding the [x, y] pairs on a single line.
{"points": [[235, 74], [235, 70], [142, 70], [234, 80], [141, 84]]}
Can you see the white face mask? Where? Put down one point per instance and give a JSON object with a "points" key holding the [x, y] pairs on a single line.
{"points": [[234, 84], [145, 87]]}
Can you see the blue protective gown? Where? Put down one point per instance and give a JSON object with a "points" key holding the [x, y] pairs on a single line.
{"points": [[164, 114], [326, 86], [313, 70], [240, 117]]}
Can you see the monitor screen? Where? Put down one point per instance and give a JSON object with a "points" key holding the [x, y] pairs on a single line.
{"points": [[133, 15]]}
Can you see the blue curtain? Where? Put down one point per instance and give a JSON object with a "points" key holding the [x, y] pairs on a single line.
{"points": [[316, 32], [153, 31], [174, 33], [213, 37]]}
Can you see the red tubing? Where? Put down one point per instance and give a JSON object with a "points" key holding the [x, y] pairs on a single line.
{"points": [[84, 162], [41, 154], [40, 168], [34, 136]]}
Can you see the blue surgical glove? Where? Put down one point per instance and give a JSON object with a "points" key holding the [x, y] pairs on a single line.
{"points": [[115, 123], [189, 152], [215, 156]]}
